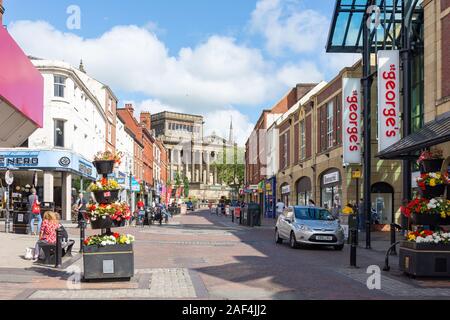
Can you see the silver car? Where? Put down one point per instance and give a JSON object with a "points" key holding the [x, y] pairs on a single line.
{"points": [[309, 225]]}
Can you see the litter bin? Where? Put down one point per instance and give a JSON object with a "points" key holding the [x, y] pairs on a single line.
{"points": [[21, 222], [254, 215]]}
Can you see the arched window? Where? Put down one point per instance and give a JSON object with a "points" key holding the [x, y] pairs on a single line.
{"points": [[303, 187], [331, 190]]}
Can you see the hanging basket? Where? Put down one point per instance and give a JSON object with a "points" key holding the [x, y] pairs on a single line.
{"points": [[423, 219], [433, 192], [432, 165], [105, 197], [104, 166]]}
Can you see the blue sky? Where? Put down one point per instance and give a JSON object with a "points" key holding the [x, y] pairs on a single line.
{"points": [[221, 59]]}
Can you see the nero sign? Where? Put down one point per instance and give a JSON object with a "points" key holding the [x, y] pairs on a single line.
{"points": [[388, 98], [351, 121]]}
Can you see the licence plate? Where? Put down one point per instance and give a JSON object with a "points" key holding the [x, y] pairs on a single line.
{"points": [[324, 238]]}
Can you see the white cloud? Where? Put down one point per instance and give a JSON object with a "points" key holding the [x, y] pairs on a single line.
{"points": [[219, 122], [285, 26], [211, 75], [303, 72]]}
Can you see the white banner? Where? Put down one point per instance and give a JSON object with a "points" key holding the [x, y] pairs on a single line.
{"points": [[388, 98], [351, 120]]}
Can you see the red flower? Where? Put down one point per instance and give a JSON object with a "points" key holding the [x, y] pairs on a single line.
{"points": [[116, 235]]}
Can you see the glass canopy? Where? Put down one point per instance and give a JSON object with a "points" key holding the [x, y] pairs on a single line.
{"points": [[346, 31]]}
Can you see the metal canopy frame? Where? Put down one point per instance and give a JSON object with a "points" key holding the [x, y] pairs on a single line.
{"points": [[348, 22]]}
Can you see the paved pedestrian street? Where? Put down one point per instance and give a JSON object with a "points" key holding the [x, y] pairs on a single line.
{"points": [[203, 256]]}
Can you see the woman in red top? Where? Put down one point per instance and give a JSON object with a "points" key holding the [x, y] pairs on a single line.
{"points": [[48, 231]]}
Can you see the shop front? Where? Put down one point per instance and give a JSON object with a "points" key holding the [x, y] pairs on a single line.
{"points": [[331, 190], [54, 175], [270, 198], [382, 203], [304, 191]]}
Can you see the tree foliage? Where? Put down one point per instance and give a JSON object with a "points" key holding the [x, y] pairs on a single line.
{"points": [[231, 166]]}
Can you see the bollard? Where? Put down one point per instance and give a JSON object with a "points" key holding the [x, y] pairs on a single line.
{"points": [[58, 253], [82, 234], [393, 239], [353, 248]]}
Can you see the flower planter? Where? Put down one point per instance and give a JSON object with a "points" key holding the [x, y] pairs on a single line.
{"points": [[109, 262], [433, 192], [424, 259], [444, 221], [105, 197], [424, 219], [101, 223], [104, 167], [433, 165], [119, 224]]}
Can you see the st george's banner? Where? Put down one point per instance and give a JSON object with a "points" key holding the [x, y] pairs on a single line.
{"points": [[351, 120], [388, 98]]}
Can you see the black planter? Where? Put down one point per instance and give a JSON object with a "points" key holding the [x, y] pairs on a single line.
{"points": [[119, 224], [105, 197], [104, 166], [100, 223], [424, 219], [433, 192], [109, 262], [434, 165], [425, 260], [445, 221]]}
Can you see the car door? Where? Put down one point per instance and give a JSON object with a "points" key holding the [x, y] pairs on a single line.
{"points": [[285, 228]]}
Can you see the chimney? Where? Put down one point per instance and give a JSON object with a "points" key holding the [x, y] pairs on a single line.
{"points": [[2, 11], [146, 120], [129, 107]]}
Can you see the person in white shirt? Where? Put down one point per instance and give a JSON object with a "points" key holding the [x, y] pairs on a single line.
{"points": [[280, 207]]}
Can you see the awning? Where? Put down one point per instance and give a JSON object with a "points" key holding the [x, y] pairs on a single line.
{"points": [[21, 94], [433, 133]]}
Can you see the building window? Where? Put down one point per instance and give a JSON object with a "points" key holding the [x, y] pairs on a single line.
{"points": [[109, 134], [417, 101], [59, 133], [285, 149], [302, 140], [60, 86], [330, 124]]}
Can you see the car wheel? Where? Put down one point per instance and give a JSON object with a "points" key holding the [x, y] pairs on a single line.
{"points": [[293, 241], [277, 237], [339, 248]]}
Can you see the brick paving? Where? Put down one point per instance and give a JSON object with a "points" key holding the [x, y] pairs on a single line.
{"points": [[204, 256]]}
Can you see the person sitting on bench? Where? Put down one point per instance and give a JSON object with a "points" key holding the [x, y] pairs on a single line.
{"points": [[48, 233]]}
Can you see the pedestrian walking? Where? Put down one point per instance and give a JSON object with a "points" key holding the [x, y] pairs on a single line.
{"points": [[280, 207], [81, 208], [311, 203], [34, 207]]}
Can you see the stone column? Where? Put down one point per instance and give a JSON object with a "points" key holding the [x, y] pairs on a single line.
{"points": [[48, 186], [66, 211], [200, 177], [215, 176], [193, 178], [207, 168]]}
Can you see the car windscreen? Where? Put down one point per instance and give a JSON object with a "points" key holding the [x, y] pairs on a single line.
{"points": [[312, 214]]}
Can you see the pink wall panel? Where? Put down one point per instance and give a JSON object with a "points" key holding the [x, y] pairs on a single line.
{"points": [[21, 84]]}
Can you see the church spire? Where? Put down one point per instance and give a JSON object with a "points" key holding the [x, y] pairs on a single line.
{"points": [[231, 136]]}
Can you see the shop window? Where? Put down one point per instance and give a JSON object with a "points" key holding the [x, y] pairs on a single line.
{"points": [[59, 133], [59, 86], [304, 194], [382, 203], [331, 191]]}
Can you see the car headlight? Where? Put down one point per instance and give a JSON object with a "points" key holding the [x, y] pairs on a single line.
{"points": [[302, 227]]}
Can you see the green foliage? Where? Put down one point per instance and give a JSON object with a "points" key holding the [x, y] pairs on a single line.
{"points": [[186, 186], [231, 166]]}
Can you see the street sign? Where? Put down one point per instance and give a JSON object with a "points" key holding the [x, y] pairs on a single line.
{"points": [[356, 174]]}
